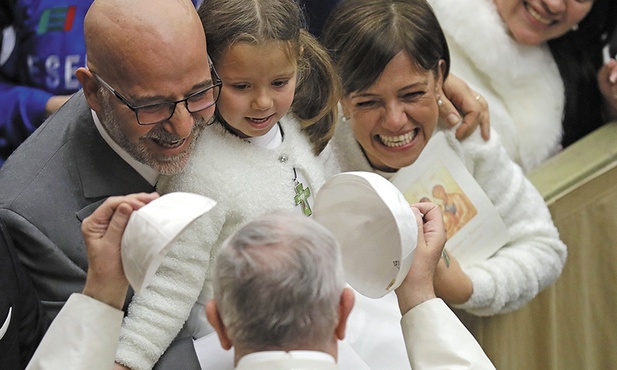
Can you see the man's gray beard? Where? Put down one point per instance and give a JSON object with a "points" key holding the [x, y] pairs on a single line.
{"points": [[168, 165]]}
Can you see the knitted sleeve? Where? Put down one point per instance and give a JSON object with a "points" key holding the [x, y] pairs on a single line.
{"points": [[534, 257], [156, 315]]}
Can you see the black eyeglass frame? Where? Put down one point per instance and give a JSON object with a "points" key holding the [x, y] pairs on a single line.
{"points": [[217, 83]]}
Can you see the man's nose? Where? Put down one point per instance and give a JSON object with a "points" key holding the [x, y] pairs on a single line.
{"points": [[181, 122]]}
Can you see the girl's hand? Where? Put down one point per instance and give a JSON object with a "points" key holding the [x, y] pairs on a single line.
{"points": [[451, 283]]}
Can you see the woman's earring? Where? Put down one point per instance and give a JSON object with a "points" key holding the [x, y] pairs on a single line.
{"points": [[345, 119], [439, 102], [574, 28]]}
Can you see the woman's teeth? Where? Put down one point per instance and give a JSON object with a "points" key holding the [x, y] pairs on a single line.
{"points": [[396, 141], [537, 15]]}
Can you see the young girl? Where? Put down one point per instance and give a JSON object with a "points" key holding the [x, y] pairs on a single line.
{"points": [[275, 114]]}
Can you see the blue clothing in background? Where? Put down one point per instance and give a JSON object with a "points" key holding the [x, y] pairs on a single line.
{"points": [[42, 45]]}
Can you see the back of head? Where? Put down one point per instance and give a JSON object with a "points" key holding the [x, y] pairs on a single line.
{"points": [[227, 22], [362, 37], [278, 282]]}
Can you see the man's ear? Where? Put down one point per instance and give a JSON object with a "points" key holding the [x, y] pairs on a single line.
{"points": [[90, 86], [345, 305], [214, 318]]}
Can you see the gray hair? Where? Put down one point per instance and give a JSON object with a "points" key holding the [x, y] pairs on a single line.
{"points": [[278, 282]]}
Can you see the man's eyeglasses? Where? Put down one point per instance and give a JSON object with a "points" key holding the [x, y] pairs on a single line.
{"points": [[152, 114]]}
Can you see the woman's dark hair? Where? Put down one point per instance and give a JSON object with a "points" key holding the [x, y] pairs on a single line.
{"points": [[578, 55], [363, 36]]}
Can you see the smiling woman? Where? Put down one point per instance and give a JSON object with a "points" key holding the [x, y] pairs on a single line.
{"points": [[536, 22], [389, 122], [535, 62], [391, 107], [394, 118]]}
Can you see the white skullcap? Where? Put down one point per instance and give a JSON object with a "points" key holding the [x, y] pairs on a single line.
{"points": [[151, 231], [375, 226]]}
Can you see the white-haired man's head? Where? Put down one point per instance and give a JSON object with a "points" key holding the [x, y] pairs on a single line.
{"points": [[279, 285]]}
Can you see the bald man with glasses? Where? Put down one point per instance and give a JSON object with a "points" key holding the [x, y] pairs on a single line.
{"points": [[148, 90]]}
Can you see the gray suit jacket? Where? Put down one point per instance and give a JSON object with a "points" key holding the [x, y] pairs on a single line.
{"points": [[22, 324], [51, 183]]}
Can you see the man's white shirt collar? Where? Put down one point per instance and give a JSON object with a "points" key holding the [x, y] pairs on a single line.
{"points": [[256, 358], [150, 174]]}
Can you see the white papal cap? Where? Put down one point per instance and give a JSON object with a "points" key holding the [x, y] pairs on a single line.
{"points": [[151, 231], [375, 226]]}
